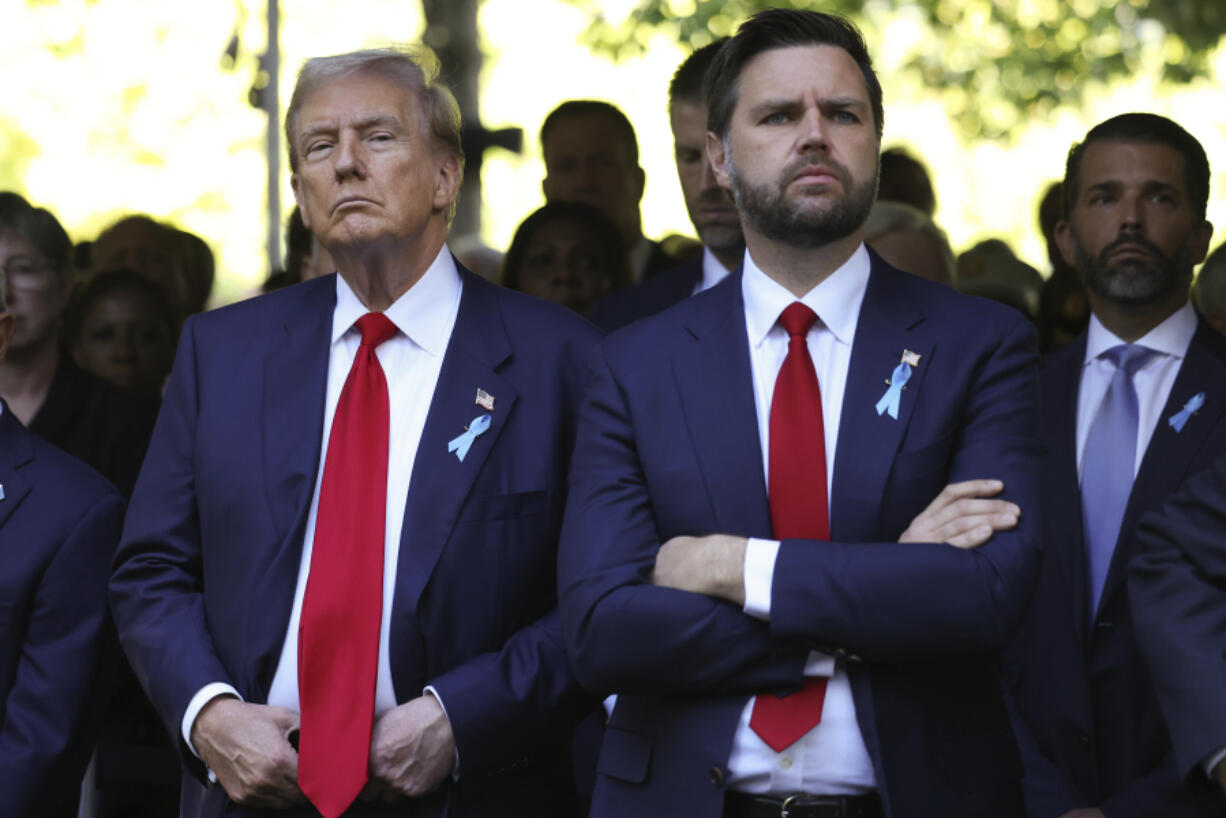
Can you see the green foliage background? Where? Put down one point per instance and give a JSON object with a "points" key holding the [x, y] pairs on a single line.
{"points": [[995, 63]]}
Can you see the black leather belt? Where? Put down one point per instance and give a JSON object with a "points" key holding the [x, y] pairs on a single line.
{"points": [[800, 805]]}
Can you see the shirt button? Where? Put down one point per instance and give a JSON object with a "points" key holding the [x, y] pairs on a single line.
{"points": [[785, 763]]}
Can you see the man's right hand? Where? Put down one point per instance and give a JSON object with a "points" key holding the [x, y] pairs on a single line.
{"points": [[247, 747], [962, 516]]}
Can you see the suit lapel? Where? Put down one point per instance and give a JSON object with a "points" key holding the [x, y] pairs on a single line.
{"points": [[15, 453], [1064, 557], [867, 442], [1170, 453], [294, 390], [441, 481], [295, 386], [715, 385]]}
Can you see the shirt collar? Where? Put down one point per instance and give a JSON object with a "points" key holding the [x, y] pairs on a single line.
{"points": [[1171, 337], [713, 270], [423, 312], [836, 300]]}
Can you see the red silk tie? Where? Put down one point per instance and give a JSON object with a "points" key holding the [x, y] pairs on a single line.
{"points": [[798, 507], [342, 608]]}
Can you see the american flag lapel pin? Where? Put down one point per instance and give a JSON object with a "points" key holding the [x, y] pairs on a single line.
{"points": [[485, 400]]}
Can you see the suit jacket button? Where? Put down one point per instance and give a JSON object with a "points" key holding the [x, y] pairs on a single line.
{"points": [[717, 776], [1084, 739]]}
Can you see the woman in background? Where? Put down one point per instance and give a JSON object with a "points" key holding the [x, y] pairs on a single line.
{"points": [[569, 253]]}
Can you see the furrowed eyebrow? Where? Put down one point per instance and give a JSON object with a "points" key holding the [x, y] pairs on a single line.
{"points": [[840, 103], [774, 105]]}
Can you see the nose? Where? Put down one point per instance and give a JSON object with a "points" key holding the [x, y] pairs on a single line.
{"points": [[123, 349], [1132, 213], [350, 156], [812, 131]]}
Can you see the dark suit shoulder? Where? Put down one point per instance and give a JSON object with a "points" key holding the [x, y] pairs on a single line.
{"points": [[528, 317], [650, 296], [76, 482], [956, 311], [268, 309]]}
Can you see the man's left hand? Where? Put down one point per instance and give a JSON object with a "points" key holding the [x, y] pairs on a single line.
{"points": [[412, 749], [713, 565]]}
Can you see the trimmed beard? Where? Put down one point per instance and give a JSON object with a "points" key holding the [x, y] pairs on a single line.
{"points": [[768, 210], [1133, 282]]}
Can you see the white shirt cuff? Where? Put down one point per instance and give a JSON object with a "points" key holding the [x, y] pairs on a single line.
{"points": [[1212, 761], [205, 695], [455, 771], [759, 574]]}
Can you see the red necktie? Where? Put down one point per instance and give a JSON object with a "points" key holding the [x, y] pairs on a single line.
{"points": [[338, 647], [798, 507]]}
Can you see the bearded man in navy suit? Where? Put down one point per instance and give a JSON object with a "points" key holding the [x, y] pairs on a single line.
{"points": [[1131, 409], [801, 525], [336, 577]]}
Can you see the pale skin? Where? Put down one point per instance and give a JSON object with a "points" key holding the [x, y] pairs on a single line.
{"points": [[963, 515], [375, 188]]}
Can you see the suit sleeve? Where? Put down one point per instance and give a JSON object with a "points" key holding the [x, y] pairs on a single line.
{"points": [[891, 601], [1176, 588], [624, 634], [51, 715], [156, 591]]}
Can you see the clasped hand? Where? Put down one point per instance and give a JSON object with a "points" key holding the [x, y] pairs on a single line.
{"points": [[247, 746]]}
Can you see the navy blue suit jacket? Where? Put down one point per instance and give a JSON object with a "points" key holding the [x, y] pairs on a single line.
{"points": [[59, 524], [1091, 729], [1178, 590], [206, 571], [668, 445], [650, 296]]}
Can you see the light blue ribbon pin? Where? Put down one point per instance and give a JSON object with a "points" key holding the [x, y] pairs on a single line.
{"points": [[1, 492], [890, 400], [464, 442], [1180, 418]]}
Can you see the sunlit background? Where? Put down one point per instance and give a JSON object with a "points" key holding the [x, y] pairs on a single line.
{"points": [[117, 106]]}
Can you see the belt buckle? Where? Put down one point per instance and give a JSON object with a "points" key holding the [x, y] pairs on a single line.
{"points": [[799, 799]]}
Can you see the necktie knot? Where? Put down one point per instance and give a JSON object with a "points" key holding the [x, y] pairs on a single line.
{"points": [[1128, 357], [375, 328], [797, 319]]}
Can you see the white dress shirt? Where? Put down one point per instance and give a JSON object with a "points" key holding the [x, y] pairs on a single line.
{"points": [[830, 759], [713, 271], [1153, 380], [411, 359]]}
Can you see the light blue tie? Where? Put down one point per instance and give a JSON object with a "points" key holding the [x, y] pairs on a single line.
{"points": [[1107, 466]]}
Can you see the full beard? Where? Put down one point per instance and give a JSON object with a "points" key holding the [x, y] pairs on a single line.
{"points": [[1134, 281], [768, 209]]}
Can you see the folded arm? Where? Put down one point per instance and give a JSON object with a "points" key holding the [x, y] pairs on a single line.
{"points": [[625, 634]]}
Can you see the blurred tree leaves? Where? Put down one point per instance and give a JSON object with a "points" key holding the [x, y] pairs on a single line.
{"points": [[995, 63]]}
